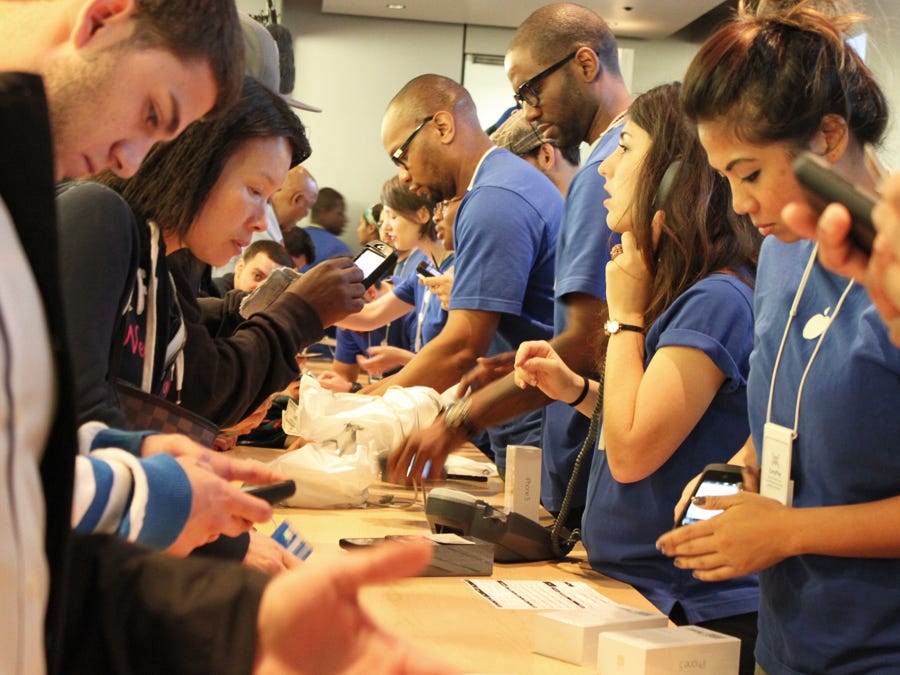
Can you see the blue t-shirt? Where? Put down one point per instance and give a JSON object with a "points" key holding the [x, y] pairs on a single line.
{"points": [[327, 245], [821, 614], [622, 521], [351, 343], [505, 236], [582, 251], [430, 317]]}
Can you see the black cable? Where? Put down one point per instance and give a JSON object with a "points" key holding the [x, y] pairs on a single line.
{"points": [[558, 544]]}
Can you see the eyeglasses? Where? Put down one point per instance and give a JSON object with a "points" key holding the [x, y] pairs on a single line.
{"points": [[397, 156], [526, 93], [440, 209]]}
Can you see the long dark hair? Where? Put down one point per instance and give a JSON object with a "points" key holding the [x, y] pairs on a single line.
{"points": [[701, 234], [775, 72], [175, 179]]}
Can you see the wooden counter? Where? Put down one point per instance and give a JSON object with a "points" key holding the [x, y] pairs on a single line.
{"points": [[444, 615]]}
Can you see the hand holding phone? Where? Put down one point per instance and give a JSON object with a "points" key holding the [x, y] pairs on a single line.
{"points": [[273, 493], [423, 269], [824, 185], [374, 260], [716, 480]]}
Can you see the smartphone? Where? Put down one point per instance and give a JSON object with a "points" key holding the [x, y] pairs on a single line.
{"points": [[374, 260], [359, 542], [273, 493], [824, 185], [423, 269], [716, 480]]}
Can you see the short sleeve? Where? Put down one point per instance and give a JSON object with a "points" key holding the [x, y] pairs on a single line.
{"points": [[716, 317]]}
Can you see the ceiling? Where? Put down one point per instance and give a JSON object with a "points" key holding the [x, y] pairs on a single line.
{"points": [[627, 18]]}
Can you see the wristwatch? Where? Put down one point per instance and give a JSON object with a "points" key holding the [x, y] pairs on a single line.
{"points": [[456, 416], [611, 327]]}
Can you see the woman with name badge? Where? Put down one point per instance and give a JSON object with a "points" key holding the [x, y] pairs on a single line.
{"points": [[824, 386], [680, 301]]}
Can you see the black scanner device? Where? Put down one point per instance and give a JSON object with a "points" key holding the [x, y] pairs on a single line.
{"points": [[515, 538]]}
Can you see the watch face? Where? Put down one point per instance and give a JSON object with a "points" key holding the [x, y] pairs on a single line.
{"points": [[612, 326]]}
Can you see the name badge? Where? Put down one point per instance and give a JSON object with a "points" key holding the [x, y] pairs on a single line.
{"points": [[775, 474]]}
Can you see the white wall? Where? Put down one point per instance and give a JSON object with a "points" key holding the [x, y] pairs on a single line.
{"points": [[883, 58]]}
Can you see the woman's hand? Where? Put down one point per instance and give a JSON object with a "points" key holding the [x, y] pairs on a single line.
{"points": [[628, 282], [538, 365], [440, 286], [752, 534]]}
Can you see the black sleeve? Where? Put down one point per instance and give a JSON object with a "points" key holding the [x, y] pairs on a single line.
{"points": [[98, 263], [132, 611], [221, 316], [227, 378]]}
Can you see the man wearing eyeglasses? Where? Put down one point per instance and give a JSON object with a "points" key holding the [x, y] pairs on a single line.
{"points": [[563, 67], [504, 234]]}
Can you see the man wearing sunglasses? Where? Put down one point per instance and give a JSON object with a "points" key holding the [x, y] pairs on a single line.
{"points": [[563, 66], [504, 233]]}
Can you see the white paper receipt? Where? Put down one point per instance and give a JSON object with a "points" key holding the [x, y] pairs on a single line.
{"points": [[538, 594]]}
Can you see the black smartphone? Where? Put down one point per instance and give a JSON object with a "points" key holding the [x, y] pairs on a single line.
{"points": [[423, 269], [360, 542], [716, 480], [374, 260], [824, 185], [273, 493]]}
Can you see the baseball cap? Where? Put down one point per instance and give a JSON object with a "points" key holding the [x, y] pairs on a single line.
{"points": [[517, 135], [261, 54]]}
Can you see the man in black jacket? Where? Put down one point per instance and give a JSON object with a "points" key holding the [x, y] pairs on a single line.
{"points": [[112, 606]]}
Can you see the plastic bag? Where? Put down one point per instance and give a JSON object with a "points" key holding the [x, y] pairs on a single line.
{"points": [[326, 479], [347, 433]]}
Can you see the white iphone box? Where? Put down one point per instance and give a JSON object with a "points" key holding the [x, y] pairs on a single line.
{"points": [[522, 491], [663, 651], [571, 634]]}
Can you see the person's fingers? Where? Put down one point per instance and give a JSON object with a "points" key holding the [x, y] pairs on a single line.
{"points": [[801, 218], [380, 564], [399, 460], [240, 505], [670, 543], [246, 470], [289, 560]]}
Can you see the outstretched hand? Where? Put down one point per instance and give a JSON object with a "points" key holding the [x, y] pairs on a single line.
{"points": [[310, 620]]}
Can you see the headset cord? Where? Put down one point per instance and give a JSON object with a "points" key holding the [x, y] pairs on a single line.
{"points": [[558, 544]]}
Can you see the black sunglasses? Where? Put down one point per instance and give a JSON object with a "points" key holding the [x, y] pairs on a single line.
{"points": [[397, 155], [526, 92]]}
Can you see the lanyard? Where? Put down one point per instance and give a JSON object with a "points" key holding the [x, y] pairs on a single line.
{"points": [[426, 298], [794, 306]]}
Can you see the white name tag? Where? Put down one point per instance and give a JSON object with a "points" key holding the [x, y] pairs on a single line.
{"points": [[775, 474]]}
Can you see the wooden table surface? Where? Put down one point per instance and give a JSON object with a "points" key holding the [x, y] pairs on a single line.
{"points": [[444, 615]]}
